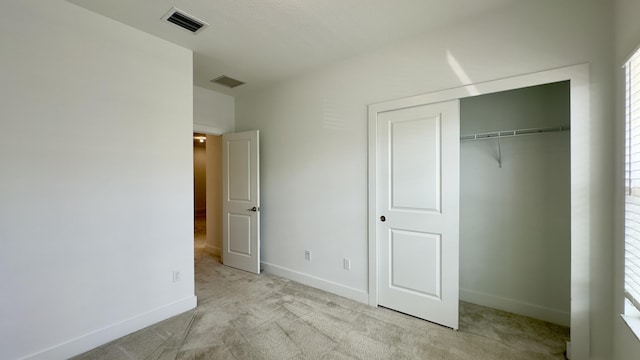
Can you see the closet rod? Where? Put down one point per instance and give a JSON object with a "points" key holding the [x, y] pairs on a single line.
{"points": [[511, 133]]}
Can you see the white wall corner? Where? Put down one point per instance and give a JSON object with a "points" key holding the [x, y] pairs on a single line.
{"points": [[96, 338], [318, 283], [516, 306]]}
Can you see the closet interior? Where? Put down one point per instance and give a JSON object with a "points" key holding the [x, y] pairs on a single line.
{"points": [[515, 227]]}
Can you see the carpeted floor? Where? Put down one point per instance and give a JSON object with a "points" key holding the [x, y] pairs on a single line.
{"points": [[246, 316]]}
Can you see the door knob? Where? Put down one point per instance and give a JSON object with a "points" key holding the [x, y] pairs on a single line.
{"points": [[382, 218], [254, 209]]}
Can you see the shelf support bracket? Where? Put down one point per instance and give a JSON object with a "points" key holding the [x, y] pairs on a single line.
{"points": [[499, 154]]}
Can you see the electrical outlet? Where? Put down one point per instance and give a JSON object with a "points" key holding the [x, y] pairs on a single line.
{"points": [[307, 255], [346, 263], [176, 276]]}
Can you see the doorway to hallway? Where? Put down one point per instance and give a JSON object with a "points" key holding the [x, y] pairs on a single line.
{"points": [[199, 190], [207, 192]]}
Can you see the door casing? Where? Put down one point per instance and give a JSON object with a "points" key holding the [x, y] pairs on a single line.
{"points": [[578, 77]]}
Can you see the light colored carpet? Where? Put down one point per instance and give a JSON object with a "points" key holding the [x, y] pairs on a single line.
{"points": [[246, 316]]}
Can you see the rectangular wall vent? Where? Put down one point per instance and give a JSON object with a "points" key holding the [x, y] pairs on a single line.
{"points": [[184, 20], [227, 81]]}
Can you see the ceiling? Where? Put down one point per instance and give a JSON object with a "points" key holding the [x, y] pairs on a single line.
{"points": [[264, 41]]}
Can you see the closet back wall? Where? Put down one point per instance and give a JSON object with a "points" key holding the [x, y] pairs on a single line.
{"points": [[515, 238]]}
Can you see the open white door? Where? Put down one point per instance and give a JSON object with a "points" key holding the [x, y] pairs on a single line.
{"points": [[417, 195], [241, 200]]}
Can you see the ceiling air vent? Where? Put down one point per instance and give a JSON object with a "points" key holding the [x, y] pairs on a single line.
{"points": [[184, 20], [227, 81]]}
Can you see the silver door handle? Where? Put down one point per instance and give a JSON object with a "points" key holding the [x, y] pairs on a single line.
{"points": [[254, 209]]}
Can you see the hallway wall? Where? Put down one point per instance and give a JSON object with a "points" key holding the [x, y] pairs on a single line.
{"points": [[199, 178], [214, 194]]}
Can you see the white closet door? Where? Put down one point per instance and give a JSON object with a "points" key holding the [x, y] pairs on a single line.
{"points": [[418, 210]]}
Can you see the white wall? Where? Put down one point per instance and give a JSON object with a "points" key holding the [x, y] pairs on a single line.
{"points": [[213, 112], [96, 173], [627, 39], [314, 135], [515, 226]]}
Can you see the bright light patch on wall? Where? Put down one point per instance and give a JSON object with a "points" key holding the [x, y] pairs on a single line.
{"points": [[461, 74]]}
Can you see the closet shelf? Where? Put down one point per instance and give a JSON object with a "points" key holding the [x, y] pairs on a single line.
{"points": [[512, 133]]}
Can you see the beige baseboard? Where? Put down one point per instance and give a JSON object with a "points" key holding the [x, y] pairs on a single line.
{"points": [[215, 251]]}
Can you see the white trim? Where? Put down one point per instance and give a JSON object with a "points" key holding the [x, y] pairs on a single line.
{"points": [[373, 216], [633, 323], [629, 56], [206, 129], [516, 306], [316, 282], [578, 75], [215, 251], [102, 336]]}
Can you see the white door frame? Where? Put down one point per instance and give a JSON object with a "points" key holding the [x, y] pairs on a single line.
{"points": [[578, 76], [208, 130]]}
